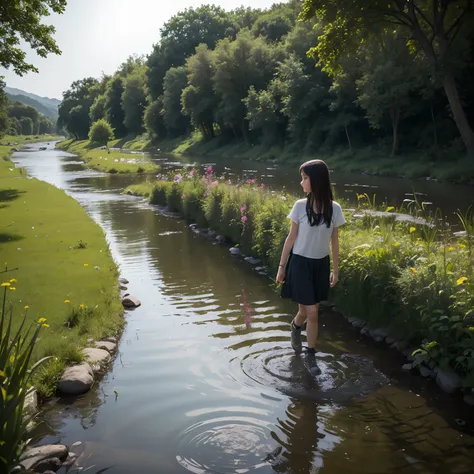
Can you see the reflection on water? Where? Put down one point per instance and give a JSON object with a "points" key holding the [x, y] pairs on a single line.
{"points": [[207, 381]]}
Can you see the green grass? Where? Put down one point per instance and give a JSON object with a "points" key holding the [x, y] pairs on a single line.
{"points": [[52, 248], [415, 280], [109, 161]]}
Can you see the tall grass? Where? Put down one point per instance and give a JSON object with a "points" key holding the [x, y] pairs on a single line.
{"points": [[413, 277]]}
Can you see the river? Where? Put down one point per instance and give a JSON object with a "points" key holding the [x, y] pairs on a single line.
{"points": [[205, 375]]}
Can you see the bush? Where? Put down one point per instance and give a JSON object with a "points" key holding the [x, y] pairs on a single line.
{"points": [[101, 132]]}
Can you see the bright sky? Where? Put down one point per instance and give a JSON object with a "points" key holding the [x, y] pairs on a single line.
{"points": [[96, 36]]}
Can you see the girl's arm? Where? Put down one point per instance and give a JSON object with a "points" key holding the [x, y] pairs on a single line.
{"points": [[289, 243], [335, 256]]}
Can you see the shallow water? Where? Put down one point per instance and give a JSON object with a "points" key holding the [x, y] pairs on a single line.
{"points": [[205, 375]]}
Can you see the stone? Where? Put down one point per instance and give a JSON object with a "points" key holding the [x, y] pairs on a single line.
{"points": [[211, 234], [70, 460], [75, 444], [108, 346], [379, 333], [124, 281], [469, 399], [407, 367], [358, 323], [252, 260], [220, 239], [431, 364], [390, 340], [30, 407], [259, 269], [130, 301], [378, 339], [123, 288], [96, 357], [48, 465], [425, 371], [130, 192], [111, 339], [448, 380], [365, 331], [76, 380], [235, 251], [34, 456]]}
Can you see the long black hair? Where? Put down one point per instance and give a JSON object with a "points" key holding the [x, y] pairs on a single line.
{"points": [[321, 196]]}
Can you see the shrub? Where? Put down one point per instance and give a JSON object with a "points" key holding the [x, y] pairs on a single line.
{"points": [[101, 132]]}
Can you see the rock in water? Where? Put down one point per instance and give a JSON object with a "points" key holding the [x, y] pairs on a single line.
{"points": [[130, 301], [252, 260], [31, 458], [448, 380], [76, 380], [220, 239], [97, 358], [235, 251], [124, 281], [108, 346]]}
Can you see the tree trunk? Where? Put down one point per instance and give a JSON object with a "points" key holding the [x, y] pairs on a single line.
{"points": [[395, 116], [243, 127], [435, 134], [348, 137], [459, 115]]}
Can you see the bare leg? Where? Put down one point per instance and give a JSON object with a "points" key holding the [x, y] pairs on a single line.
{"points": [[301, 315], [312, 313]]}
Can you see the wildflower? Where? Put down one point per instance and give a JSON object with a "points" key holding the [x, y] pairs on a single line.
{"points": [[13, 280], [67, 301], [86, 264], [6, 284], [462, 246], [41, 320], [81, 306], [12, 288], [191, 173], [262, 185], [243, 208], [209, 168], [26, 307], [283, 198], [250, 181], [412, 229], [214, 183], [461, 280], [244, 219], [229, 182], [178, 178], [389, 208], [183, 196], [45, 325], [413, 270]]}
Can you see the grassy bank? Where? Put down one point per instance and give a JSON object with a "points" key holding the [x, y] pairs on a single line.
{"points": [[62, 266], [109, 161], [416, 281], [444, 165]]}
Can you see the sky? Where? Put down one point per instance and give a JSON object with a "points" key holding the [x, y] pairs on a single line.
{"points": [[96, 36]]}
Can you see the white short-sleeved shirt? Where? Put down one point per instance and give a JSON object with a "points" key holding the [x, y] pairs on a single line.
{"points": [[313, 242]]}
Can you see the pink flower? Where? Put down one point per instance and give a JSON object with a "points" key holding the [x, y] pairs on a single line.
{"points": [[183, 196], [243, 208], [178, 178], [262, 185], [244, 219], [229, 182], [250, 181], [191, 173], [214, 183], [209, 168]]}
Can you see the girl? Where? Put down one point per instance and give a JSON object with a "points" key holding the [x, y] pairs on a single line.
{"points": [[306, 274]]}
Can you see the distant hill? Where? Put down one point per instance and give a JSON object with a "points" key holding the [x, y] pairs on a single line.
{"points": [[44, 105]]}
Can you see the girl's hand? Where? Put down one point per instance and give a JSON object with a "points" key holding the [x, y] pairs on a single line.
{"points": [[334, 278], [280, 275]]}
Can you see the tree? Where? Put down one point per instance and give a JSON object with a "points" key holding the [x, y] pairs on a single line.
{"points": [[198, 99], [134, 101], [46, 126], [4, 120], [175, 82], [22, 20], [19, 110], [98, 108], [154, 122], [113, 106], [180, 36], [15, 127], [79, 124], [26, 125], [101, 132], [436, 27]]}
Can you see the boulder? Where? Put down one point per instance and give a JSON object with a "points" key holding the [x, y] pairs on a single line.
{"points": [[358, 323], [130, 301], [30, 407], [448, 380], [378, 333], [33, 457], [97, 358], [220, 239], [425, 371], [252, 260], [124, 281], [108, 346], [235, 251], [76, 380], [48, 465], [407, 367]]}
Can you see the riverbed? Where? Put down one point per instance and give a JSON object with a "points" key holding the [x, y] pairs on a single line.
{"points": [[205, 380]]}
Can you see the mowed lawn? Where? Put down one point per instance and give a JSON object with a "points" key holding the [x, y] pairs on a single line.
{"points": [[56, 253]]}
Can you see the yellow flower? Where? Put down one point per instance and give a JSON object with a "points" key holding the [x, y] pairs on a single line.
{"points": [[67, 301], [413, 270], [86, 264], [461, 280], [412, 229], [396, 244], [45, 325], [462, 246], [13, 280], [12, 288], [6, 284], [26, 307], [81, 306], [451, 249], [41, 320]]}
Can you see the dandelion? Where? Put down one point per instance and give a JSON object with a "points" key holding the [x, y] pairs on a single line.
{"points": [[81, 306], [13, 280], [12, 288], [6, 284], [412, 229], [244, 219], [67, 301], [41, 320], [26, 307], [86, 264], [451, 249], [413, 270], [461, 280], [45, 325], [462, 246]]}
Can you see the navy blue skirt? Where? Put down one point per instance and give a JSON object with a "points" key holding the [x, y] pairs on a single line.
{"points": [[306, 280]]}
